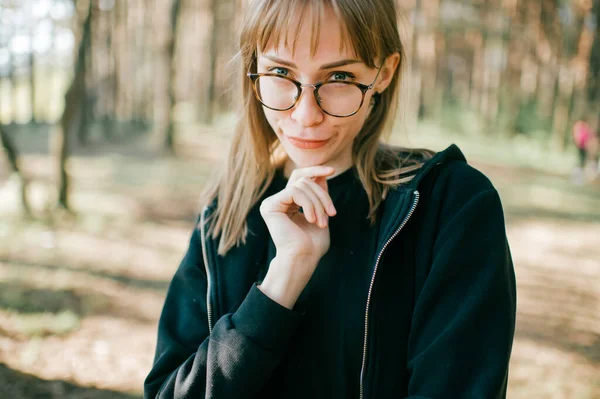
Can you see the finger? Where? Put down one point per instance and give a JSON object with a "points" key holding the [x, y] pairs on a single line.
{"points": [[310, 172], [309, 203], [296, 196], [308, 186], [322, 182], [323, 196]]}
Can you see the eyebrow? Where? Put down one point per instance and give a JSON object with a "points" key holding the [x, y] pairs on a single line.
{"points": [[335, 64]]}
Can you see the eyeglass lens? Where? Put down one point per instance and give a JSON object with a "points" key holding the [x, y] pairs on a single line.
{"points": [[335, 98]]}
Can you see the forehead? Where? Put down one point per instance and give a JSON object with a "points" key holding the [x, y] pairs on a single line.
{"points": [[310, 36]]}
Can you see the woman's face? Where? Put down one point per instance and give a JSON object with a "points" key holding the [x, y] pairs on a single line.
{"points": [[308, 135]]}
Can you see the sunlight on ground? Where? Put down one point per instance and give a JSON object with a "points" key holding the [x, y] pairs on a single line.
{"points": [[80, 296]]}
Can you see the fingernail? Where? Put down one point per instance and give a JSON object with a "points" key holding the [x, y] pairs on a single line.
{"points": [[332, 209]]}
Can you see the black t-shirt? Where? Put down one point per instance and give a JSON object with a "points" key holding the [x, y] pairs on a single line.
{"points": [[328, 346]]}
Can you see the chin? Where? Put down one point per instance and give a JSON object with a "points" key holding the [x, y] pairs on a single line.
{"points": [[307, 158]]}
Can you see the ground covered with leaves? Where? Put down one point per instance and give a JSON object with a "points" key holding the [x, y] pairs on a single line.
{"points": [[80, 295]]}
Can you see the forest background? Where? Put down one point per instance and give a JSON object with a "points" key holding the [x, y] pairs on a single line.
{"points": [[114, 113]]}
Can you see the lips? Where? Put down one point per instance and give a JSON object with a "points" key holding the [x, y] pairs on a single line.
{"points": [[306, 144]]}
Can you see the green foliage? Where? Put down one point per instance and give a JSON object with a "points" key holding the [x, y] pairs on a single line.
{"points": [[460, 119], [529, 123]]}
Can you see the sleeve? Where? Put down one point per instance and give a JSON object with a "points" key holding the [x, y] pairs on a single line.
{"points": [[235, 359], [464, 317]]}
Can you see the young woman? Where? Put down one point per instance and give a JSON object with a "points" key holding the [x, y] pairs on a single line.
{"points": [[327, 264]]}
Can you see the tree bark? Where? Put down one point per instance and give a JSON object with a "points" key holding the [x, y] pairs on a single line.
{"points": [[170, 131], [510, 93], [416, 74], [72, 106], [594, 69], [429, 60], [13, 160], [212, 70], [32, 85], [86, 99], [109, 83], [561, 111]]}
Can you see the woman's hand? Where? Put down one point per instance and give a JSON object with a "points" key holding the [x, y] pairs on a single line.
{"points": [[301, 238], [301, 234]]}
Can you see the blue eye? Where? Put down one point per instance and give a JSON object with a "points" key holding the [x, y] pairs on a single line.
{"points": [[342, 76], [279, 71]]}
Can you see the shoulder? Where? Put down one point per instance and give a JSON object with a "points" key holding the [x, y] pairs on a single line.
{"points": [[457, 200], [458, 176], [450, 183]]}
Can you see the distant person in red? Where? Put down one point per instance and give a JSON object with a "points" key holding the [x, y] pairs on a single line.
{"points": [[582, 136]]}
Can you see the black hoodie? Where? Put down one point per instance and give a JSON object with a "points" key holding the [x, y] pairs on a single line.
{"points": [[439, 320]]}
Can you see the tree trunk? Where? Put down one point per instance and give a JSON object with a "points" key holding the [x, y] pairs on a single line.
{"points": [[13, 160], [531, 63], [86, 100], [119, 49], [563, 101], [477, 72], [212, 70], [443, 73], [429, 59], [594, 70], [225, 50], [510, 91], [108, 85], [72, 106], [550, 42], [170, 131], [416, 76], [14, 92], [147, 57], [32, 85]]}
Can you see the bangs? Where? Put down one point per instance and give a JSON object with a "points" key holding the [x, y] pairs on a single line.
{"points": [[280, 22]]}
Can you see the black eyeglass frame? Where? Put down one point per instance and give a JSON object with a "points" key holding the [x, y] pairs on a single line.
{"points": [[363, 88]]}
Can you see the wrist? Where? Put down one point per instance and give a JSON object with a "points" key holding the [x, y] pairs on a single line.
{"points": [[286, 279]]}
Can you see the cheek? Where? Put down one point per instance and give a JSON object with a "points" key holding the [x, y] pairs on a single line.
{"points": [[352, 126], [273, 118]]}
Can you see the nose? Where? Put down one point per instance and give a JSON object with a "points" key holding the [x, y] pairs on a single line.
{"points": [[307, 112]]}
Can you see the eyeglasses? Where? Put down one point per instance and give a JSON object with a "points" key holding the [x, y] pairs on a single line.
{"points": [[336, 98]]}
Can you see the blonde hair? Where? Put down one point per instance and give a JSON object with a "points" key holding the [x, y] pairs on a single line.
{"points": [[371, 30]]}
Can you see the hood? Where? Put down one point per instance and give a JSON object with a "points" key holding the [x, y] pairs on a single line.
{"points": [[452, 153], [397, 205]]}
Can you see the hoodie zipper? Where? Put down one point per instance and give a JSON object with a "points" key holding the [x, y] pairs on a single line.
{"points": [[366, 340], [207, 269]]}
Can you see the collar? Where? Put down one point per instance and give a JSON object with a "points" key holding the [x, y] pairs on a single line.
{"points": [[400, 200]]}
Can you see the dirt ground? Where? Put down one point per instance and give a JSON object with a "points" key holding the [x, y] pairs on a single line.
{"points": [[80, 297]]}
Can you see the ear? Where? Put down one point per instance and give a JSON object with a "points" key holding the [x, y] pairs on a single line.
{"points": [[387, 72]]}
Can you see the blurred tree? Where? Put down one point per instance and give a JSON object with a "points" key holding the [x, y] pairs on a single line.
{"points": [[165, 88], [571, 27], [212, 70], [13, 160], [511, 93], [594, 65], [169, 135], [429, 51], [14, 84], [88, 96], [517, 66], [32, 75], [72, 107]]}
